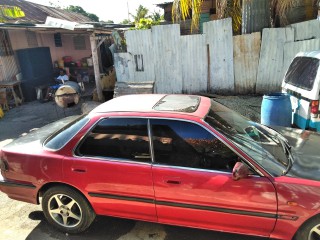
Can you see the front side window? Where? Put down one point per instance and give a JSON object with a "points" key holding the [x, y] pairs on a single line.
{"points": [[186, 144], [261, 143], [120, 138], [302, 72]]}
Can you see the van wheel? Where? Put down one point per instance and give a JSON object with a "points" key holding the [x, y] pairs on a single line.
{"points": [[67, 209], [309, 230]]}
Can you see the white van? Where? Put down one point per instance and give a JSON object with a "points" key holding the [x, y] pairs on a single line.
{"points": [[302, 82]]}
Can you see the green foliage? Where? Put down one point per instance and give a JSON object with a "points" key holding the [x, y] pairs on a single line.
{"points": [[125, 21], [156, 16], [141, 12], [10, 12], [109, 21], [78, 9], [145, 23]]}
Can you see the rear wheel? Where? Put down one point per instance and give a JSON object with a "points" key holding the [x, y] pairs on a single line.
{"points": [[310, 230], [67, 209]]}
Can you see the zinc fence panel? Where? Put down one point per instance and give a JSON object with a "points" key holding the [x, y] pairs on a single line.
{"points": [[246, 51], [291, 49], [270, 70], [193, 62], [220, 41], [166, 47], [140, 47]]}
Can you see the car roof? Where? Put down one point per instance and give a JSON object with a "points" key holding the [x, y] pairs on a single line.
{"points": [[313, 54], [157, 103]]}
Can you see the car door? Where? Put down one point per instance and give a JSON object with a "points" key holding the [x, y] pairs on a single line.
{"points": [[193, 183], [112, 165]]}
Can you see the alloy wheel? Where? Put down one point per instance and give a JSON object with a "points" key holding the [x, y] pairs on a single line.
{"points": [[64, 210], [314, 233]]}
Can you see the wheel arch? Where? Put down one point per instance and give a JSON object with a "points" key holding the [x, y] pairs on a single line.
{"points": [[49, 185], [305, 223]]}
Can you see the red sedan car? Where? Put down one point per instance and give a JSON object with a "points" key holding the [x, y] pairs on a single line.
{"points": [[174, 159]]}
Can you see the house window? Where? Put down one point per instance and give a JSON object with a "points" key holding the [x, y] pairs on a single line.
{"points": [[79, 43], [5, 44], [57, 40], [32, 39]]}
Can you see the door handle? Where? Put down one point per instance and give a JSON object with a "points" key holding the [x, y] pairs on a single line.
{"points": [[79, 170], [173, 182]]}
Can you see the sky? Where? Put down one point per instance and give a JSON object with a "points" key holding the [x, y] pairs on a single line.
{"points": [[116, 10]]}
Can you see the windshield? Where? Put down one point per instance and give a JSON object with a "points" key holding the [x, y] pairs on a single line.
{"points": [[302, 72], [258, 141], [66, 133]]}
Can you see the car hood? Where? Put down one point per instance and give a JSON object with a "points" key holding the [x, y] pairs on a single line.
{"points": [[38, 136], [305, 150]]}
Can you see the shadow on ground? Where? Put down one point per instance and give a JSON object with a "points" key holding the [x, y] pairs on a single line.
{"points": [[122, 229]]}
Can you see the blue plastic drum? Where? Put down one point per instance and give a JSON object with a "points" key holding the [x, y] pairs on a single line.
{"points": [[276, 110]]}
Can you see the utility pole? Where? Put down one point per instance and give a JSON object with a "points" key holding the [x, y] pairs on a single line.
{"points": [[128, 11]]}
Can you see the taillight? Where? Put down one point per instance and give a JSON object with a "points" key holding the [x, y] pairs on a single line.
{"points": [[3, 164], [315, 106]]}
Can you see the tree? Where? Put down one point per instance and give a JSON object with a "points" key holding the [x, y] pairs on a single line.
{"points": [[109, 21], [141, 12], [10, 12], [125, 21], [231, 8], [181, 10], [145, 23], [156, 16], [78, 9]]}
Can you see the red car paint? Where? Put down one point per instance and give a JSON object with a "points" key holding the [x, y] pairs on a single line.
{"points": [[260, 204]]}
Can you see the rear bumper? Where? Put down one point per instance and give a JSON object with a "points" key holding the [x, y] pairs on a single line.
{"points": [[19, 191]]}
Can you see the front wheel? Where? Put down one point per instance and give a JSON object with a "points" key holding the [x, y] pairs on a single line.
{"points": [[309, 230], [67, 209]]}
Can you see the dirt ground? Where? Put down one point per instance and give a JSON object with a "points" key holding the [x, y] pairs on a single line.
{"points": [[19, 220]]}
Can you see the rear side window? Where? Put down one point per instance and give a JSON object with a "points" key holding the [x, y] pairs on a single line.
{"points": [[121, 138], [64, 135], [302, 72]]}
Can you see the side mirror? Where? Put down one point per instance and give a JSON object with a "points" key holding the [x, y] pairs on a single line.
{"points": [[239, 171]]}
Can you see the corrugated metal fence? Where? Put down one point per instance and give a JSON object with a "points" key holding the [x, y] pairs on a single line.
{"points": [[215, 61]]}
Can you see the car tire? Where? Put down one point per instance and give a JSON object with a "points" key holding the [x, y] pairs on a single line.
{"points": [[67, 210], [310, 230]]}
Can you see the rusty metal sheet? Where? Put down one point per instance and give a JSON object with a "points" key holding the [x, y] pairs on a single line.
{"points": [[193, 51], [270, 70], [246, 51], [219, 39]]}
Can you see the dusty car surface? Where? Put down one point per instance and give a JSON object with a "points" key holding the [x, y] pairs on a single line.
{"points": [[174, 159]]}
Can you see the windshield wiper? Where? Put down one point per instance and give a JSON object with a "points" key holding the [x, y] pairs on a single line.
{"points": [[287, 150]]}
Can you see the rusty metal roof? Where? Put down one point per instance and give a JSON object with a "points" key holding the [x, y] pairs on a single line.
{"points": [[36, 13], [164, 4]]}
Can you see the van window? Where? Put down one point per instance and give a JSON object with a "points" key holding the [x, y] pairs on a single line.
{"points": [[302, 72]]}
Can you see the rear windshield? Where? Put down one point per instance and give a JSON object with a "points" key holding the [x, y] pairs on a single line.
{"points": [[302, 72], [64, 135]]}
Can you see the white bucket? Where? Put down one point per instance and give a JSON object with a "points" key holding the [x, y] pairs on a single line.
{"points": [[89, 62]]}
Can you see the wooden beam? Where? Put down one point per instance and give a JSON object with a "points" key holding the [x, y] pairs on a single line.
{"points": [[95, 60]]}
